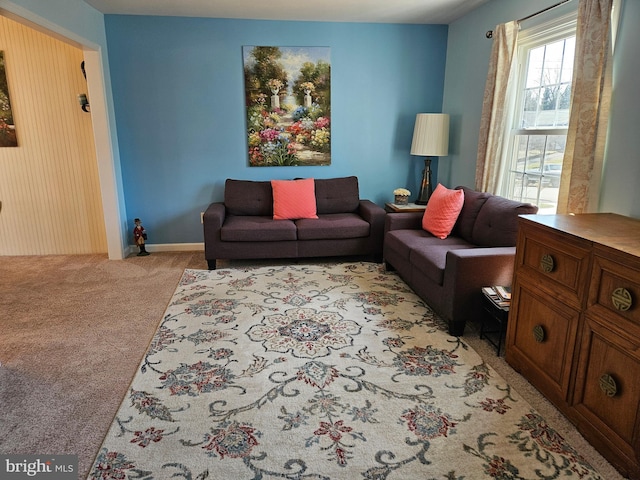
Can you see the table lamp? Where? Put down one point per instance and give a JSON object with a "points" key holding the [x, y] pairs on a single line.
{"points": [[430, 139]]}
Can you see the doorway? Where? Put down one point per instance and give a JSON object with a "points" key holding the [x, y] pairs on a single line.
{"points": [[58, 188]]}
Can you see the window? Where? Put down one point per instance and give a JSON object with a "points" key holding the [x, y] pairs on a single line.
{"points": [[541, 110]]}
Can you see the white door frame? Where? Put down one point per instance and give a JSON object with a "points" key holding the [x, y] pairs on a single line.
{"points": [[104, 155]]}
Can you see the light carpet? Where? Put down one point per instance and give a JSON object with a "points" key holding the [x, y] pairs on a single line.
{"points": [[320, 372]]}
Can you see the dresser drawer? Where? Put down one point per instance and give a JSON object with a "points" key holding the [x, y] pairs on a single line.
{"points": [[541, 341], [558, 264], [607, 391], [615, 289]]}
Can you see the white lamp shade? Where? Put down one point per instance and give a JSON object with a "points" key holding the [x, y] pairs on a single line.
{"points": [[431, 135]]}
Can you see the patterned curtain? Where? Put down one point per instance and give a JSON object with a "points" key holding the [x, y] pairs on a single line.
{"points": [[590, 101], [498, 92]]}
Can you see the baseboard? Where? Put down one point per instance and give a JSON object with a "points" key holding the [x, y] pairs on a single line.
{"points": [[168, 247]]}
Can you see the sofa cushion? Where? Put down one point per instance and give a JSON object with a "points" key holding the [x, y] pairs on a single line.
{"points": [[497, 222], [337, 195], [431, 259], [473, 202], [442, 211], [403, 242], [333, 226], [246, 197], [248, 228], [293, 199]]}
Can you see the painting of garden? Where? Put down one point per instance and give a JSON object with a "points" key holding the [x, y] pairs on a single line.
{"points": [[288, 103], [7, 128]]}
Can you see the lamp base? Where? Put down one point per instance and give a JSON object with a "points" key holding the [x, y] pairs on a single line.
{"points": [[426, 188]]}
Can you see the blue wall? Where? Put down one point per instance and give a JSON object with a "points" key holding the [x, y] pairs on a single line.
{"points": [[179, 102], [620, 192], [468, 55]]}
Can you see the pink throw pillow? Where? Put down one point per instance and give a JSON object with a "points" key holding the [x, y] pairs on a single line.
{"points": [[293, 199], [442, 211]]}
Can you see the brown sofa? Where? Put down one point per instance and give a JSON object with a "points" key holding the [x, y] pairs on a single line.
{"points": [[449, 274], [242, 227]]}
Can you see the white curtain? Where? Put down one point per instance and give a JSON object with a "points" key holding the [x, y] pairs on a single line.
{"points": [[496, 108], [590, 101]]}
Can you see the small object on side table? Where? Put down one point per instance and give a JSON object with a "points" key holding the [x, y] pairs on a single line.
{"points": [[496, 315], [401, 196], [409, 207]]}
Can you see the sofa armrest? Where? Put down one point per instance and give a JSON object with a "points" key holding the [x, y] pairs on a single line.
{"points": [[374, 215], [403, 221], [214, 216], [212, 220], [468, 270], [371, 212], [473, 268]]}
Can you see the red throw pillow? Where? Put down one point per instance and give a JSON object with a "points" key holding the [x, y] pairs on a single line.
{"points": [[293, 199], [442, 211]]}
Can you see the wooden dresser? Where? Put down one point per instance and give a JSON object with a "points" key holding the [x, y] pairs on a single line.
{"points": [[574, 325]]}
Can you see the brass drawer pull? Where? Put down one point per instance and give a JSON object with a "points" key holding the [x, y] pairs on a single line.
{"points": [[539, 333], [547, 263], [621, 299], [608, 385]]}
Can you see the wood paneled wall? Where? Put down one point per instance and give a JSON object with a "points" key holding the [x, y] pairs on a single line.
{"points": [[49, 185]]}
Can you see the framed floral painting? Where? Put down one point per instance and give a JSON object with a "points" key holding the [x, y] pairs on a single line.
{"points": [[7, 128], [288, 105]]}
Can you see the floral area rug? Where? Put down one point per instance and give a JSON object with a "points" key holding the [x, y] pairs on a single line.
{"points": [[320, 372]]}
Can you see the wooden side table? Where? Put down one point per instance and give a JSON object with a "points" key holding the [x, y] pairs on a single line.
{"points": [[410, 207]]}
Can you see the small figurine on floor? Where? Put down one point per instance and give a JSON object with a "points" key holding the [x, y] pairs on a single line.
{"points": [[140, 235]]}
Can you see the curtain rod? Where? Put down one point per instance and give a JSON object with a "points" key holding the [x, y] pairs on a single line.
{"points": [[489, 33]]}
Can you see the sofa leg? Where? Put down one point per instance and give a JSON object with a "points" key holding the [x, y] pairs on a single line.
{"points": [[456, 329], [388, 267], [211, 264]]}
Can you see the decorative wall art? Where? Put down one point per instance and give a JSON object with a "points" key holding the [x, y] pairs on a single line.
{"points": [[288, 102], [7, 128]]}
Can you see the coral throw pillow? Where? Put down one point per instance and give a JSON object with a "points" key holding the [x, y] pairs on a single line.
{"points": [[293, 199], [442, 211]]}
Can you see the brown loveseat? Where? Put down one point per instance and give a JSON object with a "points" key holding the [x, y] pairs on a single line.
{"points": [[449, 274], [242, 227]]}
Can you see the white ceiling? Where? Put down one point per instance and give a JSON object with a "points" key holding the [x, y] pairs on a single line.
{"points": [[373, 11]]}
